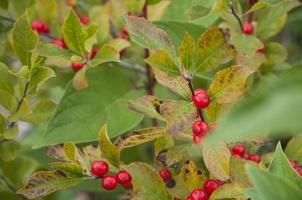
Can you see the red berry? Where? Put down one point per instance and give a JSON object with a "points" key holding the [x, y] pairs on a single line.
{"points": [[261, 50], [125, 31], [200, 128], [200, 91], [84, 19], [123, 177], [293, 164], [39, 26], [99, 168], [199, 194], [189, 198], [238, 150], [77, 66], [165, 174], [45, 28], [59, 42], [299, 170], [201, 99], [211, 185], [248, 28], [109, 182], [254, 157], [127, 186], [93, 53], [197, 139], [246, 156]]}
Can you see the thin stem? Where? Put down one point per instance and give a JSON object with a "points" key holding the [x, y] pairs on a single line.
{"points": [[7, 19], [235, 14], [10, 186]]}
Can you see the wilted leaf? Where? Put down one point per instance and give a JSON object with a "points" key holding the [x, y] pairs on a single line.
{"points": [[186, 51], [92, 153], [109, 151], [140, 136], [213, 50], [293, 148], [147, 183], [45, 182], [193, 178], [229, 84], [217, 160], [57, 152], [24, 39]]}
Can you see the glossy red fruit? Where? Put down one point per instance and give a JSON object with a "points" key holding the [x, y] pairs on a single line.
{"points": [[254, 157], [248, 28], [238, 150], [45, 28], [189, 198], [59, 42], [125, 31], [165, 174], [200, 128], [77, 66], [109, 182], [84, 19], [199, 194], [40, 26], [93, 53], [293, 164], [123, 177], [299, 170], [201, 99], [211, 185], [127, 186], [99, 168]]}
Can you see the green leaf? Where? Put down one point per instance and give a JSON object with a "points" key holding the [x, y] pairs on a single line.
{"points": [[238, 171], [197, 12], [108, 106], [215, 110], [176, 83], [246, 44], [147, 184], [46, 9], [39, 75], [217, 160], [192, 177], [140, 136], [67, 166], [229, 191], [281, 167], [275, 99], [91, 37], [23, 111], [229, 84], [270, 186], [2, 124], [275, 53], [186, 51], [8, 150], [24, 39], [73, 33], [146, 105], [45, 182], [257, 6], [40, 111], [106, 54], [109, 151], [160, 59], [6, 81], [213, 50], [163, 143], [293, 148], [180, 115], [80, 80], [154, 37], [51, 50], [119, 44]]}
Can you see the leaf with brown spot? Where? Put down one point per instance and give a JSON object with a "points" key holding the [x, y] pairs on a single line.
{"points": [[229, 191], [57, 152], [179, 190], [213, 50], [46, 182], [229, 84], [146, 105], [92, 153], [180, 115], [173, 155], [253, 61], [163, 143], [186, 51], [217, 160], [109, 151], [140, 136], [193, 178], [174, 82]]}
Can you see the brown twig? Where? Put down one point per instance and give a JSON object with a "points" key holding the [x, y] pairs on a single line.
{"points": [[235, 14]]}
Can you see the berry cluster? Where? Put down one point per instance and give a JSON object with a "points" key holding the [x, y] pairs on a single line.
{"points": [[110, 182], [240, 151], [208, 188], [200, 128], [296, 167]]}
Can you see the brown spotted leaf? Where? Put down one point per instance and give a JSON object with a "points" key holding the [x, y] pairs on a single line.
{"points": [[217, 160], [179, 190], [92, 153], [109, 151], [147, 184], [45, 182], [229, 191], [163, 143], [193, 178], [140, 136], [173, 156], [229, 84], [213, 50], [179, 116], [186, 51], [57, 152], [175, 83], [147, 105]]}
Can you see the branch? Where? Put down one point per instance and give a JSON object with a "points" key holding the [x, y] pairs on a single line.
{"points": [[235, 14], [7, 19]]}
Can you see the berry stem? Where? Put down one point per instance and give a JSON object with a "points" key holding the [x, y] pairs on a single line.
{"points": [[235, 14], [250, 15]]}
